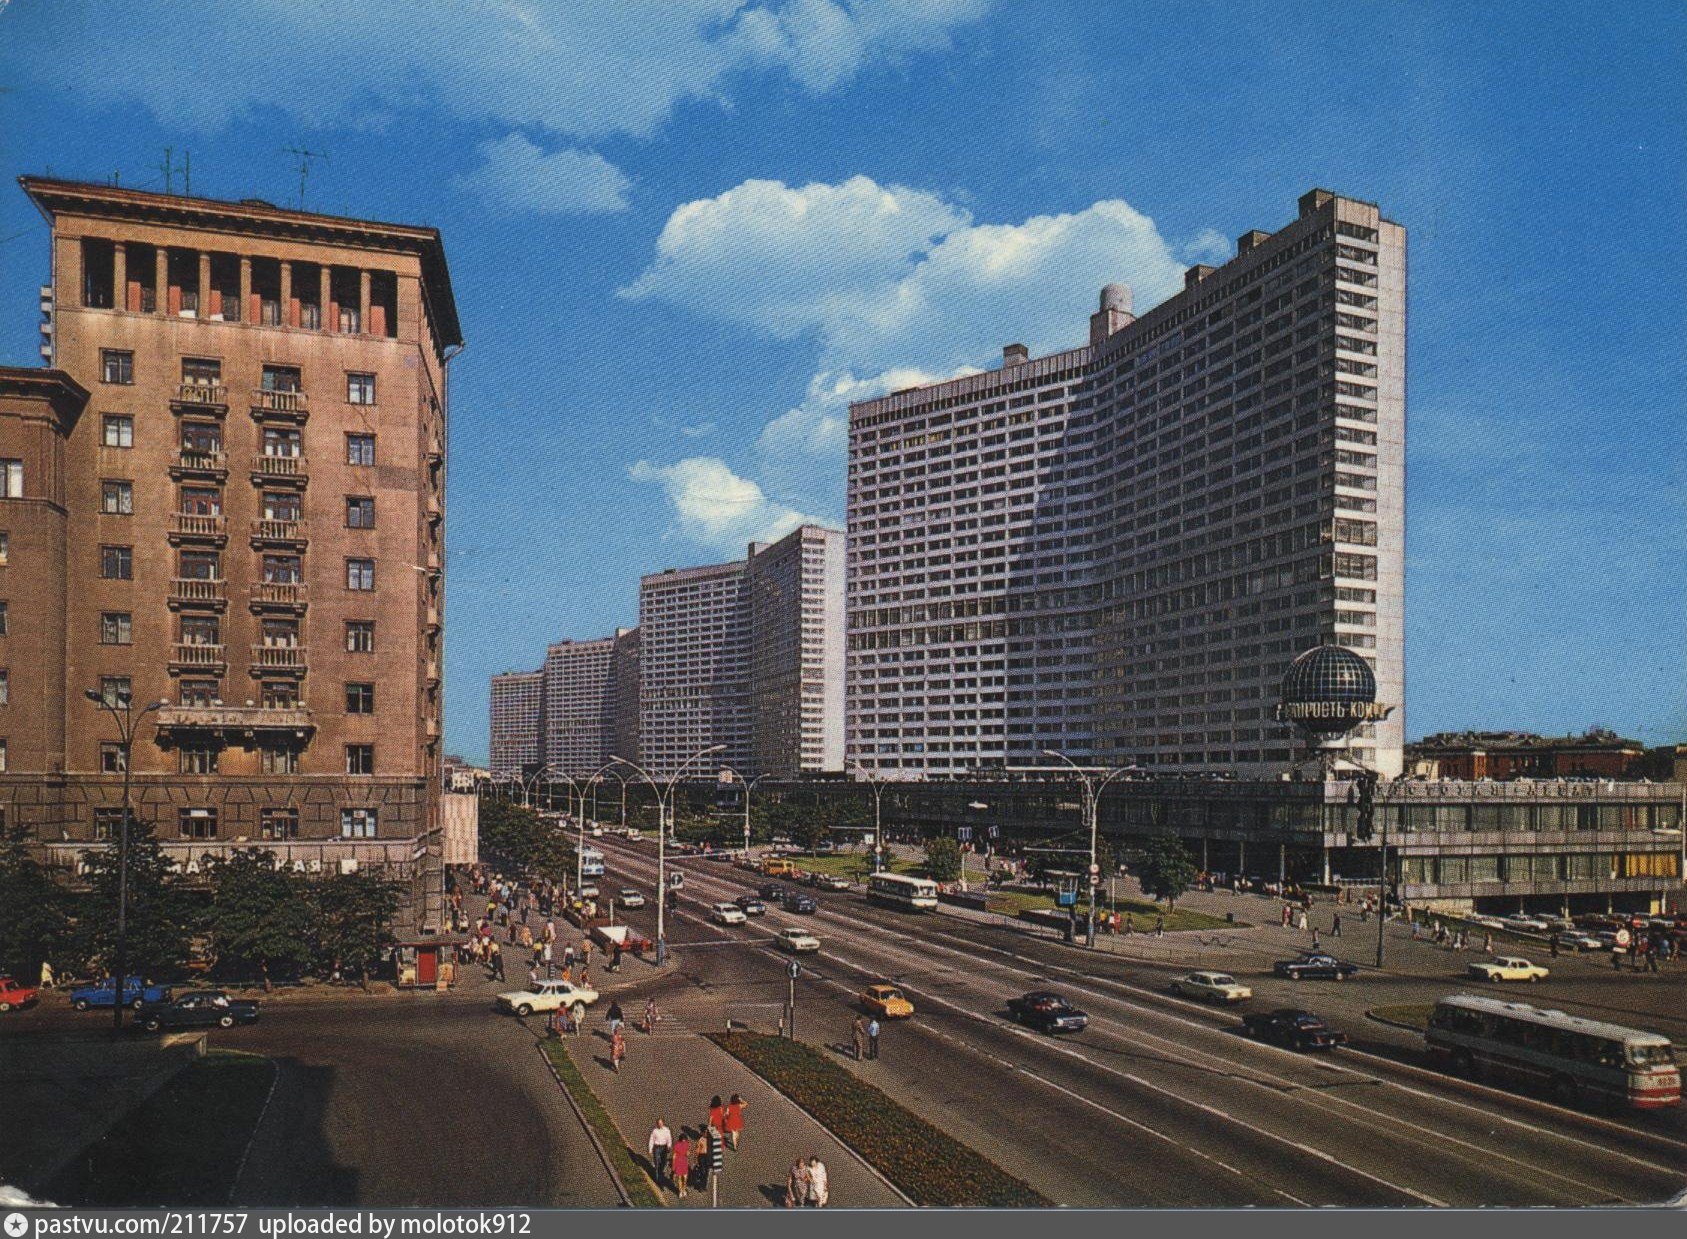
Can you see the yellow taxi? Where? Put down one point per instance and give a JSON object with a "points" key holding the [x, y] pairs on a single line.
{"points": [[886, 1002]]}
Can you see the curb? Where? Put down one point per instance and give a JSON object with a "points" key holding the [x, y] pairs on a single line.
{"points": [[1382, 1019], [800, 1109], [602, 1153]]}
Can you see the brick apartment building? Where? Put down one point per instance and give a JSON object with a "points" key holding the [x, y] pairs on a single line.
{"points": [[227, 494]]}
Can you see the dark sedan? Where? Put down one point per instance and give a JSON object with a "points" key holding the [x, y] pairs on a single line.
{"points": [[1314, 966], [1046, 1012], [198, 1009], [772, 891], [796, 901], [751, 905], [1294, 1030]]}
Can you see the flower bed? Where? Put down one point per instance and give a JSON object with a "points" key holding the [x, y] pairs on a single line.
{"points": [[930, 1165]]}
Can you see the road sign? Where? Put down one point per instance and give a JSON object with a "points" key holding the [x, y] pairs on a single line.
{"points": [[793, 970], [717, 1155], [1095, 879], [1094, 869], [1622, 937]]}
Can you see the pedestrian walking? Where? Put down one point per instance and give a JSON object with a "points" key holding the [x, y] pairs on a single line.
{"points": [[497, 962], [1652, 957], [819, 1184], [858, 1037], [617, 1049], [681, 1166], [585, 978], [1617, 958], [615, 1017], [1488, 943], [734, 1127], [873, 1039], [1130, 923], [1314, 937], [46, 975], [615, 959], [1335, 926], [1160, 927], [545, 954], [717, 1115], [1285, 916], [568, 955], [796, 1185], [651, 1015], [1301, 924], [661, 1148], [1552, 946]]}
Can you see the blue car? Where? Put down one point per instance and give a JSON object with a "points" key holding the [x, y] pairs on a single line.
{"points": [[103, 994]]}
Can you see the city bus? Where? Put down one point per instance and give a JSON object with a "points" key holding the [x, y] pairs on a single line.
{"points": [[591, 863], [1572, 1058], [900, 891]]}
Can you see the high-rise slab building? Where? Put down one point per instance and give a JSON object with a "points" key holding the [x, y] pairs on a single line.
{"points": [[518, 720], [587, 687], [747, 655], [1114, 551], [228, 497]]}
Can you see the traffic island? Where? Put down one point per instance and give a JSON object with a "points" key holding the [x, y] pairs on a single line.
{"points": [[1412, 1016], [927, 1164], [630, 1179], [183, 1147]]}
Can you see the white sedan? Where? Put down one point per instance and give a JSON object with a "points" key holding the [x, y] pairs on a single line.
{"points": [[728, 914], [1212, 987], [630, 898], [1507, 968], [548, 996], [796, 941]]}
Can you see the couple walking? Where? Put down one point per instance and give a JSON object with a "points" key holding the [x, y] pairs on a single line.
{"points": [[864, 1035]]}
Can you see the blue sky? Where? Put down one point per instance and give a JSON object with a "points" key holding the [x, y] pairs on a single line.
{"points": [[684, 236]]}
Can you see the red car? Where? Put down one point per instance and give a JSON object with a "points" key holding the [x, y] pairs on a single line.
{"points": [[13, 995]]}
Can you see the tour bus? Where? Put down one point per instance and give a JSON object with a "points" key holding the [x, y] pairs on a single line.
{"points": [[591, 863], [900, 891], [778, 866], [1575, 1059]]}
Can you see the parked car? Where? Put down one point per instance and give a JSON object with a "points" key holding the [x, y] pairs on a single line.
{"points": [[886, 1001], [728, 914], [1487, 922], [772, 892], [1293, 1029], [828, 881], [796, 941], [719, 854], [1314, 966], [14, 994], [103, 993], [587, 891], [1576, 940], [1558, 924], [1507, 968], [548, 996], [1212, 987], [629, 898], [796, 901], [1525, 924], [751, 905], [202, 1008], [1047, 1012]]}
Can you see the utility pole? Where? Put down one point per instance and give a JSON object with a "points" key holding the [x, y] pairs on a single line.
{"points": [[1092, 819], [664, 801], [878, 798]]}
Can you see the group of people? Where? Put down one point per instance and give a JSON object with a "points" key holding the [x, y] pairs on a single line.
{"points": [[683, 1160], [526, 915], [864, 1036]]}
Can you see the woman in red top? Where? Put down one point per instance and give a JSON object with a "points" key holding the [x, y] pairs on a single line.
{"points": [[717, 1113], [734, 1121], [682, 1162]]}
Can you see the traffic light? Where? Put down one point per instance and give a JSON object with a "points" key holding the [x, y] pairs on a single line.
{"points": [[1367, 813]]}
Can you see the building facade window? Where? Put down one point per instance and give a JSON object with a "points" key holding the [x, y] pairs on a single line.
{"points": [[4, 631], [117, 430], [360, 759], [115, 690], [111, 757], [200, 692], [360, 512], [360, 449], [281, 378], [117, 563], [279, 760], [11, 479], [360, 698], [5, 547], [198, 761], [360, 574], [280, 695], [117, 628], [197, 823], [357, 823], [360, 636], [107, 824], [5, 687], [279, 824], [360, 388], [117, 366], [117, 497]]}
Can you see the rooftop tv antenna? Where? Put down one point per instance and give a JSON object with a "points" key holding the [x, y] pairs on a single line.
{"points": [[304, 157], [168, 170]]}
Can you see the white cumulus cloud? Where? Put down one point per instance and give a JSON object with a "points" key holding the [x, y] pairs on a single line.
{"points": [[518, 174], [716, 507]]}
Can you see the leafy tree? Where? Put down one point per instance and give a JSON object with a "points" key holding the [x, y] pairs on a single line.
{"points": [[807, 827], [509, 835], [1165, 870], [943, 859], [160, 914], [34, 925], [260, 916], [354, 920]]}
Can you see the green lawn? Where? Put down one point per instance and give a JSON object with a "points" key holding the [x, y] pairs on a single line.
{"points": [[181, 1147], [638, 1185], [850, 865], [930, 1165], [1010, 903]]}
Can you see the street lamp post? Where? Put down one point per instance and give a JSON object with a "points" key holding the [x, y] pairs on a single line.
{"points": [[664, 807], [126, 722], [878, 796], [749, 786], [1092, 815]]}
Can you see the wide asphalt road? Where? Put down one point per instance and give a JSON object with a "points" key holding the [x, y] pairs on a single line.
{"points": [[1160, 1101]]}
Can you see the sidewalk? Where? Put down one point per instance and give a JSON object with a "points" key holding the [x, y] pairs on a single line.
{"points": [[672, 1075]]}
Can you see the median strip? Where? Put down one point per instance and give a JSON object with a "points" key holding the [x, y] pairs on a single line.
{"points": [[926, 1163], [631, 1182]]}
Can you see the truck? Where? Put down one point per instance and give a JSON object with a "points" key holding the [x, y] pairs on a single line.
{"points": [[624, 936]]}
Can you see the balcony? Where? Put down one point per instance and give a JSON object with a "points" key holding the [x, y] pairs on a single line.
{"points": [[235, 724], [290, 470], [192, 527], [212, 466], [198, 592], [271, 658], [285, 405], [196, 657], [279, 595], [203, 397], [270, 532]]}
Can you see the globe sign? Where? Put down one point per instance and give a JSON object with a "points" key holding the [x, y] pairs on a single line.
{"points": [[1328, 691]]}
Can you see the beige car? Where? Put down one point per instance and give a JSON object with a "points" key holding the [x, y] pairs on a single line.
{"points": [[1507, 968], [1212, 987]]}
